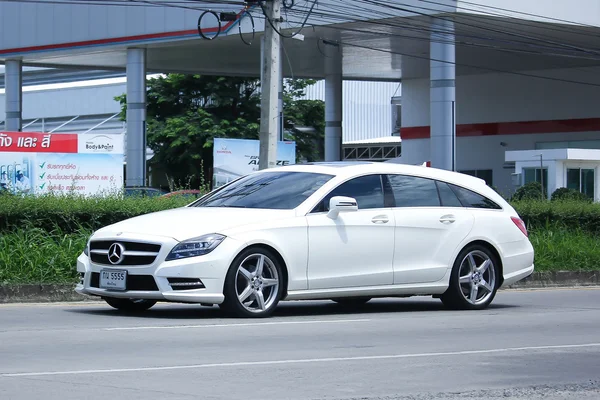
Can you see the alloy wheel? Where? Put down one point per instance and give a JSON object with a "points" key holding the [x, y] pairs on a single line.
{"points": [[477, 277], [257, 283]]}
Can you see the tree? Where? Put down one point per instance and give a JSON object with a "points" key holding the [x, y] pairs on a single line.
{"points": [[186, 112]]}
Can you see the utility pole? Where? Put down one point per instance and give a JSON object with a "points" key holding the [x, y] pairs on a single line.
{"points": [[269, 100]]}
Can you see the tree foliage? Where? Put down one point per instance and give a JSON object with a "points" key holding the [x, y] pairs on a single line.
{"points": [[186, 112]]}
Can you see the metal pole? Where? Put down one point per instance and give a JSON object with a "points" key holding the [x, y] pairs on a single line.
{"points": [[443, 95], [136, 117], [542, 174], [280, 95], [333, 100], [13, 82], [269, 102]]}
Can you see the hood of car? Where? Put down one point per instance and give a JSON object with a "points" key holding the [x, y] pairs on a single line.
{"points": [[190, 222]]}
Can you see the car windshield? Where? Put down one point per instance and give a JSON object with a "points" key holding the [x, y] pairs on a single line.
{"points": [[271, 190]]}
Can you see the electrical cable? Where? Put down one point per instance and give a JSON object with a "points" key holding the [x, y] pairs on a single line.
{"points": [[295, 33], [528, 14], [525, 74], [570, 54], [404, 9], [240, 27], [430, 31], [200, 27]]}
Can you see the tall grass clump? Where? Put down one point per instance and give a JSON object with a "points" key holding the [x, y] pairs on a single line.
{"points": [[559, 248], [34, 255]]}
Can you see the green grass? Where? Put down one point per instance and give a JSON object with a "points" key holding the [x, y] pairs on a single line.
{"points": [[41, 237], [560, 249], [35, 256]]}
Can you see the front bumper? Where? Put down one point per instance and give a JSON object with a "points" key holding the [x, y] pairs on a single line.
{"points": [[152, 281]]}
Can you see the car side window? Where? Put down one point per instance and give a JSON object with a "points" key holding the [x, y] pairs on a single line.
{"points": [[367, 190], [447, 196], [473, 200], [413, 191]]}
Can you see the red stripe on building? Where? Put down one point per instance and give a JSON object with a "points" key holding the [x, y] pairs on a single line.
{"points": [[510, 128], [35, 142], [117, 40]]}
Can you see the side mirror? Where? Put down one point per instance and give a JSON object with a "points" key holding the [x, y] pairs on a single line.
{"points": [[341, 204]]}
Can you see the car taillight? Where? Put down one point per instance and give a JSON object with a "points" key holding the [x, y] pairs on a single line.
{"points": [[520, 224]]}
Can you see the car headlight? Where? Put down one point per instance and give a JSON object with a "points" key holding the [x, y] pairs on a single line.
{"points": [[86, 249], [195, 247]]}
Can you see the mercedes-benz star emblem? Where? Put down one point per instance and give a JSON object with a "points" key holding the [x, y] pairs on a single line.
{"points": [[115, 253]]}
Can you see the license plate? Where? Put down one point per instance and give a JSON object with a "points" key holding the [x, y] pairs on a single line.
{"points": [[113, 279]]}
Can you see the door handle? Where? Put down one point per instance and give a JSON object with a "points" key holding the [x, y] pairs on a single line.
{"points": [[447, 219], [380, 219]]}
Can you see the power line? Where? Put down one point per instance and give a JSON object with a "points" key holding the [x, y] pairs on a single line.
{"points": [[427, 29], [404, 9], [525, 74], [527, 14]]}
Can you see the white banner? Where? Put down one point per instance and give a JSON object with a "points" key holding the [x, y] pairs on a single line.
{"points": [[238, 157], [39, 163]]}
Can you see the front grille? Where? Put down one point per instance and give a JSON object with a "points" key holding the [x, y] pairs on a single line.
{"points": [[185, 283], [134, 282], [133, 253]]}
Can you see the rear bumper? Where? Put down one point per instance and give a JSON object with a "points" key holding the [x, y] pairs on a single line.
{"points": [[516, 276]]}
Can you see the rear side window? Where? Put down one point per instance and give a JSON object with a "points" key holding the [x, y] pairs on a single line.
{"points": [[413, 191], [447, 195], [471, 199]]}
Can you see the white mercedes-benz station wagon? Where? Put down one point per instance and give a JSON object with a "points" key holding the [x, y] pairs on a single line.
{"points": [[347, 232]]}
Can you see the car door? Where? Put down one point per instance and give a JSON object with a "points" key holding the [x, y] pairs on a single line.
{"points": [[430, 224], [356, 248]]}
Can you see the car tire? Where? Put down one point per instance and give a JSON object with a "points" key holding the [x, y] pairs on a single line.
{"points": [[254, 284], [474, 280], [351, 302], [130, 305]]}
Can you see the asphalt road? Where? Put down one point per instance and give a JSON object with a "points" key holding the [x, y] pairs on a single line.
{"points": [[528, 345]]}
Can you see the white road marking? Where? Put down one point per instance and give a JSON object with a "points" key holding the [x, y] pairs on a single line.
{"points": [[300, 361], [330, 321]]}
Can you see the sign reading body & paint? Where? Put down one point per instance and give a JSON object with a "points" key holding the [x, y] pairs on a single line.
{"points": [[39, 163]]}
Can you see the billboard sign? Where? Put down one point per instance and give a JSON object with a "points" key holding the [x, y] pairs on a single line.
{"points": [[40, 163], [238, 157]]}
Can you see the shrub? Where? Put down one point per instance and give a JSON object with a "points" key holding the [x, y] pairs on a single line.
{"points": [[529, 191], [72, 213], [569, 194], [569, 214]]}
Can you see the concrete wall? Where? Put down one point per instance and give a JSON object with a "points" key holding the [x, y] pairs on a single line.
{"points": [[579, 12], [52, 22], [510, 97], [493, 98], [26, 24], [367, 109], [64, 102]]}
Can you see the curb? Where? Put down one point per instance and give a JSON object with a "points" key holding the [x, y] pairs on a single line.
{"points": [[41, 294], [66, 292], [558, 279]]}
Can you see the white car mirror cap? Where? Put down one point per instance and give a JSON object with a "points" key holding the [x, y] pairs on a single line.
{"points": [[339, 204]]}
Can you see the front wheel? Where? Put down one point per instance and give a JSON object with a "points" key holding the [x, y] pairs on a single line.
{"points": [[474, 280], [254, 284], [130, 305]]}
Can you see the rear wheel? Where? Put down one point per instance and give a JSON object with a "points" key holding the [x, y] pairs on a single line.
{"points": [[474, 280], [130, 305], [254, 284]]}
